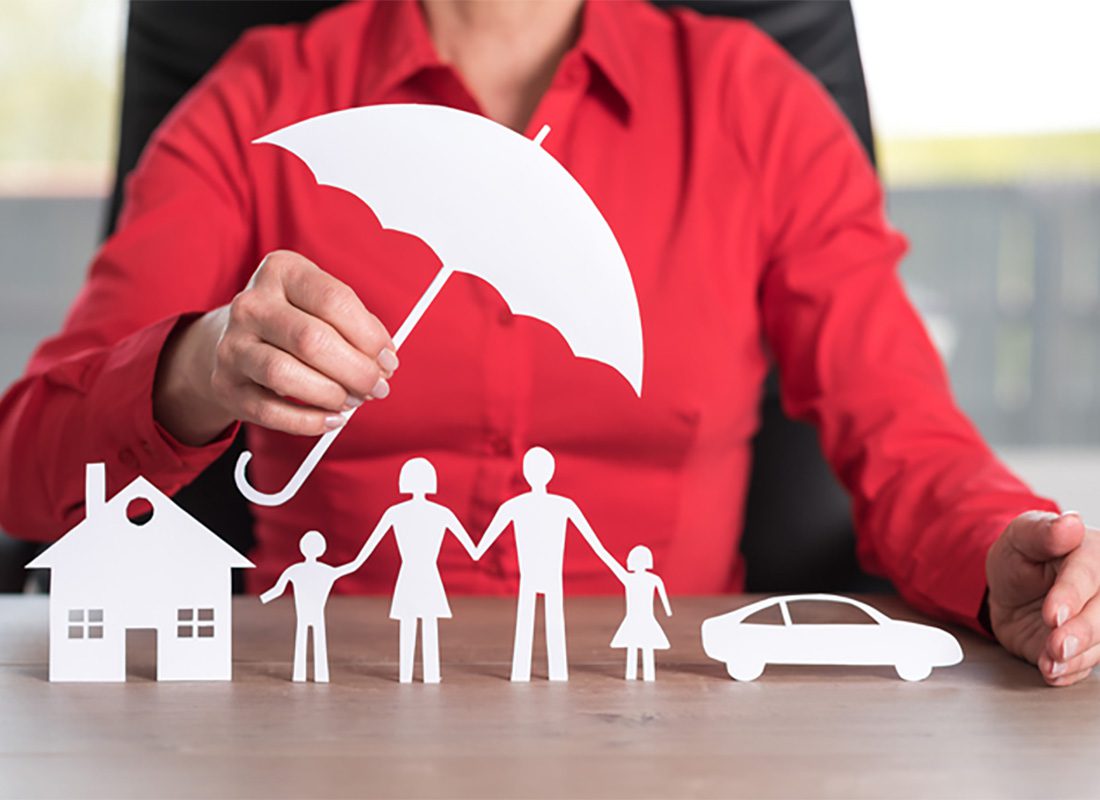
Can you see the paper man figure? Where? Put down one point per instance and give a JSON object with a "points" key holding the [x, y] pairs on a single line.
{"points": [[419, 526], [639, 629], [539, 520], [312, 581]]}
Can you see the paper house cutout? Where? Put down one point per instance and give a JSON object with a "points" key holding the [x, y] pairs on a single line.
{"points": [[110, 575]]}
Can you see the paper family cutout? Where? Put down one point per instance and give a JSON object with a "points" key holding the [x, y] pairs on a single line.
{"points": [[550, 253], [110, 574], [169, 573], [539, 520], [747, 647]]}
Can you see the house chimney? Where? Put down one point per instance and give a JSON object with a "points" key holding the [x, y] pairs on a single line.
{"points": [[95, 489]]}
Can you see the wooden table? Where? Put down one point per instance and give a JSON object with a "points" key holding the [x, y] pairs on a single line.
{"points": [[986, 728]]}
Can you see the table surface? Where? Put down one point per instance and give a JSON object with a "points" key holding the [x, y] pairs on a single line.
{"points": [[985, 728]]}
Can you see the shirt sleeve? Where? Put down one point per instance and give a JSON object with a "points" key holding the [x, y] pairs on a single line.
{"points": [[928, 495], [181, 248]]}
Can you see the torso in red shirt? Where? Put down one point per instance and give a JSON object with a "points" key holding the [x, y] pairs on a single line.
{"points": [[753, 227]]}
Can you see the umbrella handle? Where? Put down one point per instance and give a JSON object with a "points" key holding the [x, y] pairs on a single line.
{"points": [[325, 442]]}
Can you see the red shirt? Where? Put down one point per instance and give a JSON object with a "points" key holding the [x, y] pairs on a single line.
{"points": [[753, 226]]}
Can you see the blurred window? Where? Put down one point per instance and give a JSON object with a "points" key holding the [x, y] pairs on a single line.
{"points": [[988, 133], [60, 64]]}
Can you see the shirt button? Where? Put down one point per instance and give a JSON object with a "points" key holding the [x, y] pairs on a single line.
{"points": [[501, 445], [127, 458], [506, 318]]}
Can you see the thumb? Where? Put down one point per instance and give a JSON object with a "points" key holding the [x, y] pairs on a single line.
{"points": [[1042, 536]]}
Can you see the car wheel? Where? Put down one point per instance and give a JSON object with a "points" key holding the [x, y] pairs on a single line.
{"points": [[745, 670], [913, 671]]}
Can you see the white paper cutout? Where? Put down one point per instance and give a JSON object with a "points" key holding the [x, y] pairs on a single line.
{"points": [[746, 648], [640, 631], [539, 520], [419, 526], [110, 575], [312, 581], [490, 203]]}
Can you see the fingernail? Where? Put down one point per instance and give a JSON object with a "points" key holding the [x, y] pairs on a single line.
{"points": [[1057, 668], [1069, 648], [334, 421], [381, 389], [387, 359], [1061, 616], [353, 401]]}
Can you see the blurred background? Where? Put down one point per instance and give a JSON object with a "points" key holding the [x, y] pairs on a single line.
{"points": [[987, 118]]}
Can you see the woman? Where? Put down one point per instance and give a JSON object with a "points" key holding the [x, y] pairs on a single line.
{"points": [[753, 227], [419, 526]]}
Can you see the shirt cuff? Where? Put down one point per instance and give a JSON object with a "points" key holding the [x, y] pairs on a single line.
{"points": [[134, 438], [960, 586]]}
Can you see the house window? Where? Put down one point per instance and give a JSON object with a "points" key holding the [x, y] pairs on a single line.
{"points": [[86, 623], [195, 623]]}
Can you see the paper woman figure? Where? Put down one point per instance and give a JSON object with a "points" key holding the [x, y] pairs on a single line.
{"points": [[419, 526], [312, 580], [640, 629]]}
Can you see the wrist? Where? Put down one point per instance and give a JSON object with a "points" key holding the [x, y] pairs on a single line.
{"points": [[985, 618], [183, 400]]}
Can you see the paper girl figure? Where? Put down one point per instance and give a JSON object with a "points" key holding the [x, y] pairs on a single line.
{"points": [[640, 629], [419, 526], [312, 581]]}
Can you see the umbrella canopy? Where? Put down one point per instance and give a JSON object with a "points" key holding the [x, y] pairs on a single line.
{"points": [[490, 203]]}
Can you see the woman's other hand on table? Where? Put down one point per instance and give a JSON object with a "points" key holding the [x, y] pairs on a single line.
{"points": [[1044, 582]]}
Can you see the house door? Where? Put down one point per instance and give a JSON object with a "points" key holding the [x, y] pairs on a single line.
{"points": [[141, 653]]}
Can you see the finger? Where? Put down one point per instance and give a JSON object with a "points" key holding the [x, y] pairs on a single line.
{"points": [[263, 407], [1078, 573], [1067, 678], [286, 376], [1054, 669], [316, 292], [319, 345], [1044, 536], [1079, 632]]}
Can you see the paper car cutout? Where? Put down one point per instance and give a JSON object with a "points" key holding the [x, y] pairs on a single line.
{"points": [[746, 647]]}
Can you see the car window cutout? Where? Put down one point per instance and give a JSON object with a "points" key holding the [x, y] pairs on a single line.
{"points": [[785, 612], [817, 612]]}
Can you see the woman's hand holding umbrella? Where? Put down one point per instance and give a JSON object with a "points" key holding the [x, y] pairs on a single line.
{"points": [[294, 332]]}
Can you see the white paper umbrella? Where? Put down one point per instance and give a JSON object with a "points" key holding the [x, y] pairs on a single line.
{"points": [[490, 203]]}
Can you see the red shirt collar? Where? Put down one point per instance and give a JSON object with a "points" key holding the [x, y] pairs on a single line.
{"points": [[398, 33], [606, 44]]}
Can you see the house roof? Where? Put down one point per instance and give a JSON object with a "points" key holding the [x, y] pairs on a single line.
{"points": [[171, 535]]}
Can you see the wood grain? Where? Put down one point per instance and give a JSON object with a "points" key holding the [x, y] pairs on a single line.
{"points": [[986, 728]]}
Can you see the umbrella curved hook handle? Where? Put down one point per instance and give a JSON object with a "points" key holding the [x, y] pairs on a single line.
{"points": [[254, 495]]}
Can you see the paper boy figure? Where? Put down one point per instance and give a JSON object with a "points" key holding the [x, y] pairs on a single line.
{"points": [[312, 581]]}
